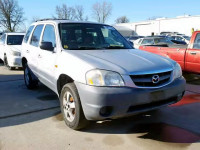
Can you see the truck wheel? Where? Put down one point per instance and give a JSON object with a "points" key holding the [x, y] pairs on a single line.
{"points": [[30, 82], [71, 107]]}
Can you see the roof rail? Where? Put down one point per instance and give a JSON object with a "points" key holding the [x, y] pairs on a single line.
{"points": [[46, 19]]}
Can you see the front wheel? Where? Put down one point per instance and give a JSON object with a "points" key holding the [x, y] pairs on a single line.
{"points": [[71, 107], [30, 81]]}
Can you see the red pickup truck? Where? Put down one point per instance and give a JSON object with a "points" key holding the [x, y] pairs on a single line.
{"points": [[188, 58]]}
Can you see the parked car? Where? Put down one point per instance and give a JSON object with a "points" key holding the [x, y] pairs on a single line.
{"points": [[95, 71], [183, 38], [169, 38], [134, 38], [188, 58], [168, 33], [10, 49], [153, 40]]}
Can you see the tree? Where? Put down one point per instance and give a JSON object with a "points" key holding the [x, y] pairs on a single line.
{"points": [[80, 13], [101, 11], [64, 12], [122, 19], [35, 18], [11, 15]]}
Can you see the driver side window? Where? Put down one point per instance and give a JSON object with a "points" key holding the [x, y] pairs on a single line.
{"points": [[197, 42], [49, 35]]}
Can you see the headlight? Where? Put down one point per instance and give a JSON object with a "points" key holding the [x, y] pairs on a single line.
{"points": [[177, 73], [104, 78], [14, 53]]}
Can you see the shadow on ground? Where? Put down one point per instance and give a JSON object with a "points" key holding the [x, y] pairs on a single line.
{"points": [[175, 124], [18, 105]]}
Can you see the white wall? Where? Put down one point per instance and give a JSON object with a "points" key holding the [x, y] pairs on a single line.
{"points": [[182, 25]]}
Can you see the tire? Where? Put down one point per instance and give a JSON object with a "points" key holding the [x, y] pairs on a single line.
{"points": [[29, 78], [6, 63], [11, 68], [71, 107]]}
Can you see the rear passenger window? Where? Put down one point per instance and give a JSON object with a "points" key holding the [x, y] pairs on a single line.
{"points": [[28, 33], [197, 42], [49, 35], [35, 39]]}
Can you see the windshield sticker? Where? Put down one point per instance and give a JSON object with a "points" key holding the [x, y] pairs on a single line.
{"points": [[66, 46]]}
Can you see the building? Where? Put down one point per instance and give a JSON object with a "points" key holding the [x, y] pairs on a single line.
{"points": [[182, 24]]}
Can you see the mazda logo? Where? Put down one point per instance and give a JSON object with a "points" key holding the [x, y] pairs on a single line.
{"points": [[155, 79]]}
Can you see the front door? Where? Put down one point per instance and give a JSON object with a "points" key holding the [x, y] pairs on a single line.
{"points": [[47, 58], [33, 48], [193, 56]]}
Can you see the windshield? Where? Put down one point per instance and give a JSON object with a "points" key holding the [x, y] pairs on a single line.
{"points": [[15, 39], [82, 36], [187, 38]]}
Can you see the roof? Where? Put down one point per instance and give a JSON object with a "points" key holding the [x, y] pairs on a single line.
{"points": [[15, 33], [57, 21]]}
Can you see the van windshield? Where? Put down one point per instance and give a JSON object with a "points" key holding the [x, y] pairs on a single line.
{"points": [[15, 39], [86, 36]]}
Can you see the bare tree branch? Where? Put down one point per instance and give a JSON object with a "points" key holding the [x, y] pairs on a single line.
{"points": [[64, 12], [11, 15], [122, 19], [101, 11]]}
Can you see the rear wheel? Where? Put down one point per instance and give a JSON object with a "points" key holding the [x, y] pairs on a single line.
{"points": [[6, 63], [29, 78], [71, 107]]}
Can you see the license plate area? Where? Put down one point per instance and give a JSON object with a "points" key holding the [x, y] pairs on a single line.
{"points": [[157, 95]]}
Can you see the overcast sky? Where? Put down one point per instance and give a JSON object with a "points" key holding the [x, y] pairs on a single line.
{"points": [[135, 10]]}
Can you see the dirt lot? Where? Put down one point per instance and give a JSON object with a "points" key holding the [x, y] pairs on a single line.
{"points": [[32, 120]]}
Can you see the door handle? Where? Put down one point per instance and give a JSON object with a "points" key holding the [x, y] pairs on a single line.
{"points": [[39, 56], [193, 53], [27, 51]]}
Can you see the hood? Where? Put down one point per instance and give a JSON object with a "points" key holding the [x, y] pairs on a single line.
{"points": [[126, 61], [16, 48]]}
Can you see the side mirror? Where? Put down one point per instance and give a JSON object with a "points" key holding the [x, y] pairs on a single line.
{"points": [[47, 46]]}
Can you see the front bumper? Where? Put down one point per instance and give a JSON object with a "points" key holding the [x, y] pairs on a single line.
{"points": [[15, 61], [101, 103]]}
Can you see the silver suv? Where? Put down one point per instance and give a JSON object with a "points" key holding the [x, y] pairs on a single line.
{"points": [[95, 71]]}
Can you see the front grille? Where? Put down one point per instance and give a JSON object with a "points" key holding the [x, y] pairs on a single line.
{"points": [[146, 80]]}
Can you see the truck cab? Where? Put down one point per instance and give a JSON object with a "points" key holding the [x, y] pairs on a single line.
{"points": [[188, 57]]}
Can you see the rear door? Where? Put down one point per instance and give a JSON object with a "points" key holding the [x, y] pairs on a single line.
{"points": [[46, 58], [193, 56], [33, 48], [26, 41]]}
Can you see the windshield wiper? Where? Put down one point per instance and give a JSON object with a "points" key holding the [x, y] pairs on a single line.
{"points": [[114, 47]]}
